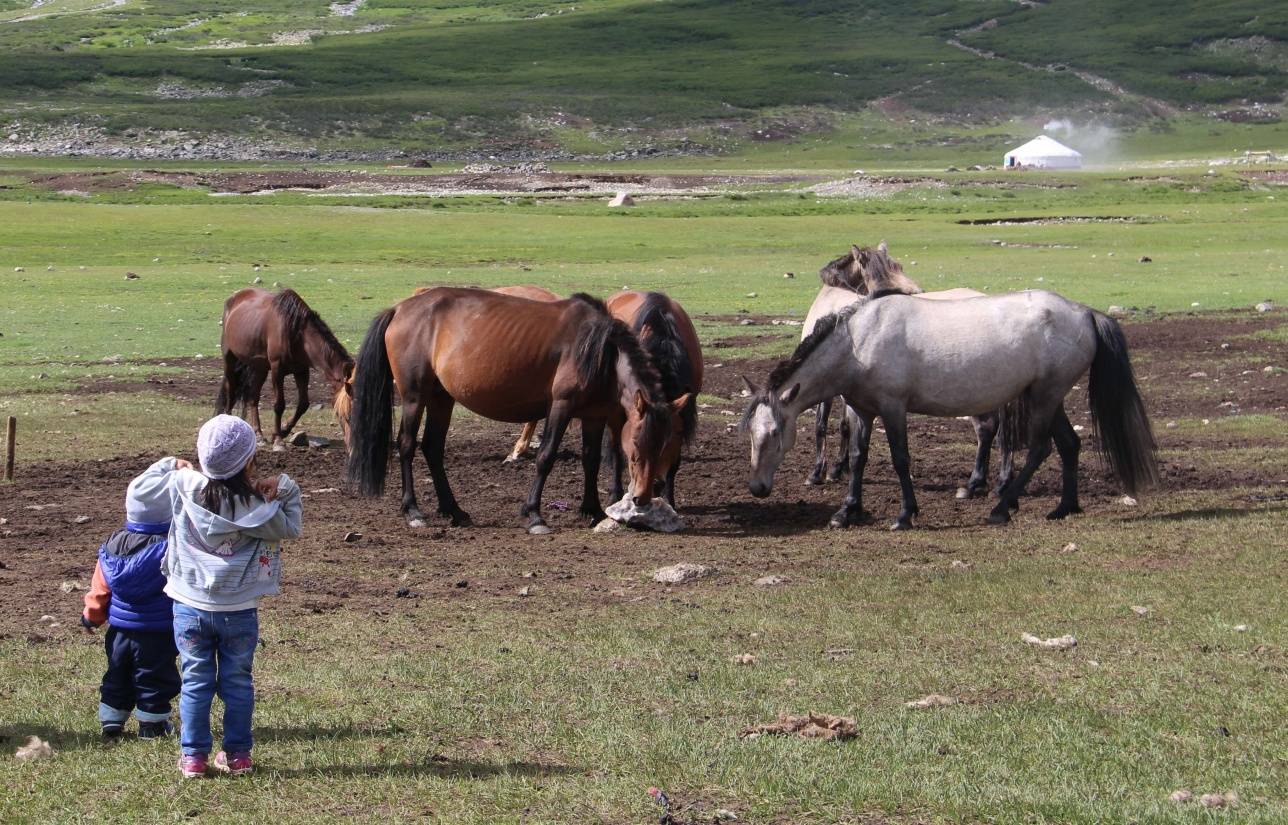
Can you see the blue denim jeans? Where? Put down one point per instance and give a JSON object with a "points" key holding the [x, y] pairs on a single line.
{"points": [[216, 651]]}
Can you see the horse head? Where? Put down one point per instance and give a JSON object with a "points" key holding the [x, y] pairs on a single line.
{"points": [[773, 433], [652, 437], [881, 273]]}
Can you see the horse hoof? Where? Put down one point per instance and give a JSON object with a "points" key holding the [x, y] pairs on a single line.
{"points": [[460, 519], [814, 481], [998, 518], [962, 494], [901, 524], [539, 530], [512, 459], [416, 522], [279, 447]]}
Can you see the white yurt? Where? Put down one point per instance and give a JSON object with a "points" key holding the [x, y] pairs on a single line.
{"points": [[1043, 153]]}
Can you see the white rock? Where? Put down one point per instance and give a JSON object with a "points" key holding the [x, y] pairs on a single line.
{"points": [[1128, 501], [1182, 796], [1241, 628], [658, 516], [1140, 610], [1199, 374], [1069, 548], [621, 199], [36, 748], [1229, 799], [770, 581], [1066, 642], [931, 700], [1265, 306], [682, 572]]}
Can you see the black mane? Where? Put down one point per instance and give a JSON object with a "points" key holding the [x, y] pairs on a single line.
{"points": [[299, 317], [669, 355], [824, 327], [598, 344]]}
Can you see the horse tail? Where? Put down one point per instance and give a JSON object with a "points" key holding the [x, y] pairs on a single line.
{"points": [[371, 419], [1117, 410], [240, 388], [665, 346], [1013, 425]]}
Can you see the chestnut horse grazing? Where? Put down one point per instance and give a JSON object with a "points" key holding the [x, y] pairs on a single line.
{"points": [[508, 359], [669, 338], [277, 334]]}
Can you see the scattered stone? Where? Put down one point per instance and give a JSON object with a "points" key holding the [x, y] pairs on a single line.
{"points": [[1199, 374], [1140, 610], [621, 199], [36, 748], [1241, 628], [1066, 642], [1272, 369], [958, 564], [1171, 425], [350, 537], [324, 490], [789, 275], [257, 280], [746, 322], [725, 815], [1229, 799], [19, 269], [752, 295], [931, 700], [744, 659], [1116, 311], [47, 618], [609, 525], [299, 438], [82, 519], [770, 581], [525, 591], [1069, 548], [1145, 259], [1181, 796], [1195, 304], [1128, 501], [69, 586], [680, 573], [49, 268], [658, 516], [809, 726], [1265, 306], [317, 442]]}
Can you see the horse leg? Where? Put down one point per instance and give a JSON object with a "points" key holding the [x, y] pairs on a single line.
{"points": [[522, 445], [985, 432], [896, 424], [821, 413], [251, 399], [301, 400], [410, 423], [1068, 444], [843, 457], [556, 423], [228, 389], [279, 407], [669, 490], [616, 460], [433, 445], [592, 441], [852, 512], [1039, 448]]}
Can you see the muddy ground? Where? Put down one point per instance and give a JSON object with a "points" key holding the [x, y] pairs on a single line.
{"points": [[46, 542]]}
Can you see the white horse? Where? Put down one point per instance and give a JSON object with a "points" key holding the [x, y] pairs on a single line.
{"points": [[896, 354]]}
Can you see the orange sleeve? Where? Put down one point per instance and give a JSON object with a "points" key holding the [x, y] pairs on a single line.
{"points": [[97, 598]]}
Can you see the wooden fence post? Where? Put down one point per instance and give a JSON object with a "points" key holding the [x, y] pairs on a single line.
{"points": [[10, 444]]}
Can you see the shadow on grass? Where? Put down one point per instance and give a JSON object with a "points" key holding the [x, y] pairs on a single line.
{"points": [[443, 768], [1206, 513], [14, 736]]}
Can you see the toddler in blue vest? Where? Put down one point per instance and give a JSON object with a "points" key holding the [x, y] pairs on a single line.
{"points": [[128, 593]]}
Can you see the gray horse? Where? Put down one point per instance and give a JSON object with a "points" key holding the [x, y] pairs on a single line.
{"points": [[896, 354]]}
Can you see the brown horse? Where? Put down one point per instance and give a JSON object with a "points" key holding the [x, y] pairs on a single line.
{"points": [[277, 334], [508, 359], [671, 341]]}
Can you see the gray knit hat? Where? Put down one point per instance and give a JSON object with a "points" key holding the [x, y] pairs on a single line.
{"points": [[225, 445]]}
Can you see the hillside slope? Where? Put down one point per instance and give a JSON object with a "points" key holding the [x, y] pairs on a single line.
{"points": [[540, 76]]}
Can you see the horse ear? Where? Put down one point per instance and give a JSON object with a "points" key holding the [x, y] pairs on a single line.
{"points": [[882, 248], [641, 402], [855, 251], [751, 387], [680, 403], [791, 394]]}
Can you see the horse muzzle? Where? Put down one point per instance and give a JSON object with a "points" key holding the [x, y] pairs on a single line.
{"points": [[759, 489]]}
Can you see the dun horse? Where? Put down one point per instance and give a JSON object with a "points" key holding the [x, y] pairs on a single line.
{"points": [[895, 354], [508, 359], [864, 271], [276, 335]]}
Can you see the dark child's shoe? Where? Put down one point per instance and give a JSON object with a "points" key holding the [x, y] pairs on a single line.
{"points": [[155, 730]]}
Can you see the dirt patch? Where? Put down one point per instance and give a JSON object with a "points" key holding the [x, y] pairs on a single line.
{"points": [[485, 180], [574, 570], [1046, 220]]}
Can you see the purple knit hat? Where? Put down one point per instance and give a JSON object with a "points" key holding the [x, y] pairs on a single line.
{"points": [[225, 445]]}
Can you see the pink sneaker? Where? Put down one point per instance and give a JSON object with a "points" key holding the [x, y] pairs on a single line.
{"points": [[193, 766], [235, 764]]}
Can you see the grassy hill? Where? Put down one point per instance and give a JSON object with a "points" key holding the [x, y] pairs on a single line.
{"points": [[542, 76]]}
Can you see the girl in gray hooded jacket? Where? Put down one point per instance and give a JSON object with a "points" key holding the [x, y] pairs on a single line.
{"points": [[223, 554]]}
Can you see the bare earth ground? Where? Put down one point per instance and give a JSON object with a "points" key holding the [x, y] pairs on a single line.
{"points": [[488, 564]]}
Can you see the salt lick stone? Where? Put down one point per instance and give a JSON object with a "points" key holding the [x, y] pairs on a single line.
{"points": [[658, 516], [680, 573]]}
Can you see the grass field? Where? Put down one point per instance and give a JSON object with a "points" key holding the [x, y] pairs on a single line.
{"points": [[476, 704]]}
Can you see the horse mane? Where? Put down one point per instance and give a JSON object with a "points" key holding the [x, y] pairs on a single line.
{"points": [[882, 275], [666, 349], [299, 316], [822, 329], [600, 340]]}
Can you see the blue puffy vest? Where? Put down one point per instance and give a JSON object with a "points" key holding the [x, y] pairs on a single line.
{"points": [[131, 564]]}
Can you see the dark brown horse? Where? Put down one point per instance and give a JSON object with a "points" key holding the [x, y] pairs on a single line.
{"points": [[671, 341], [508, 359], [275, 335]]}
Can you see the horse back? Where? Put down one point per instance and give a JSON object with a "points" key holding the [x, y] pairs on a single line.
{"points": [[248, 323], [627, 305]]}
